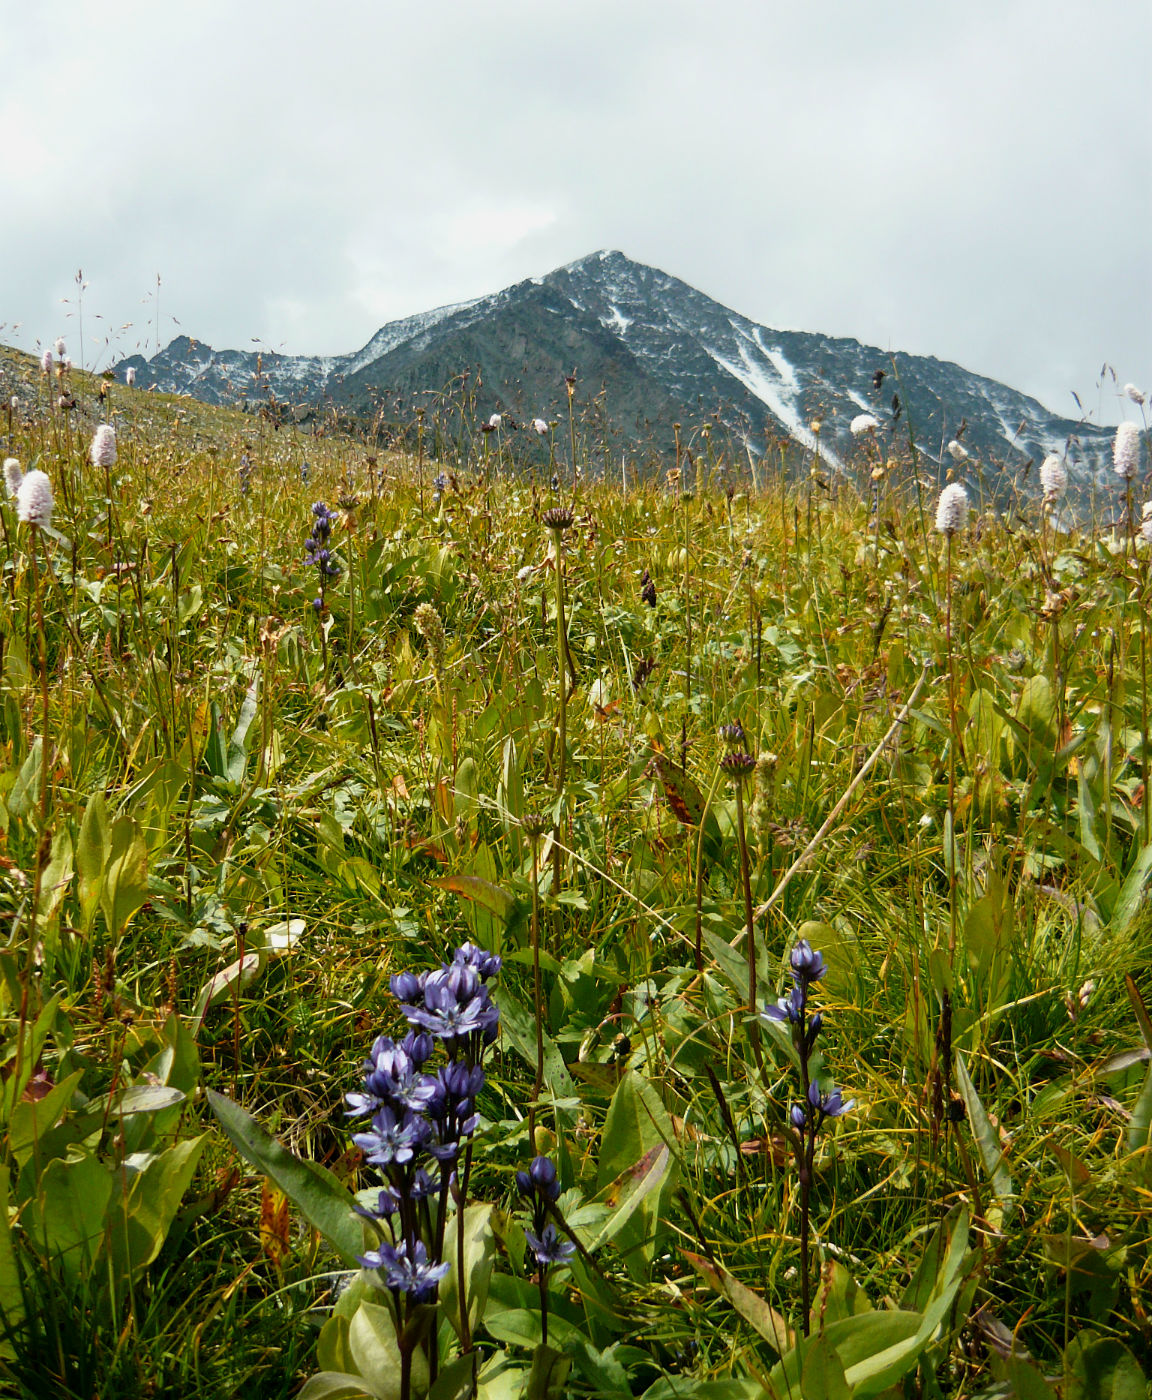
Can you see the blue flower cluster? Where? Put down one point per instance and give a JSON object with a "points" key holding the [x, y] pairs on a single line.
{"points": [[539, 1185], [317, 544], [420, 1121], [806, 967]]}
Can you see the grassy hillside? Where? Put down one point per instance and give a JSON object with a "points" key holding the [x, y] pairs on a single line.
{"points": [[638, 745]]}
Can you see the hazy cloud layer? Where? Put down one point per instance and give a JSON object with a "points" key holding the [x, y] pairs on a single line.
{"points": [[971, 182]]}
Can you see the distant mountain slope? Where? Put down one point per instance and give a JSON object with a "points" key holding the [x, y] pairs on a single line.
{"points": [[652, 351]]}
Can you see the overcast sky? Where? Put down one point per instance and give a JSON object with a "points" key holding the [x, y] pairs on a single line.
{"points": [[971, 181]]}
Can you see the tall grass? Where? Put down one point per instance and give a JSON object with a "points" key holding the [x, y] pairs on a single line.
{"points": [[298, 802]]}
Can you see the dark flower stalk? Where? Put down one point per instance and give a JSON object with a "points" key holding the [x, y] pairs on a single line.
{"points": [[317, 552], [737, 765], [815, 1106]]}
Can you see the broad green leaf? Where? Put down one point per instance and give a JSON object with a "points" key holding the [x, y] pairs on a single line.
{"points": [[31, 1119], [1026, 1380], [627, 1192], [480, 1249], [1138, 1129], [125, 885], [238, 974], [140, 1223], [497, 901], [25, 792], [823, 1376], [67, 1215], [238, 745], [1135, 892], [766, 1321], [91, 854], [636, 1122], [11, 1292], [520, 1327], [24, 1051], [547, 1374], [316, 1193], [373, 1343], [1101, 1368], [987, 1139], [332, 1385]]}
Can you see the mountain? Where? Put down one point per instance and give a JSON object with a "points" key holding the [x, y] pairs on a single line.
{"points": [[648, 351]]}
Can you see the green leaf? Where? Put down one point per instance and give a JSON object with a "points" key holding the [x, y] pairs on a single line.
{"points": [[520, 1327], [67, 1215], [333, 1385], [316, 1193], [480, 1249], [92, 855], [140, 1223], [987, 1139], [373, 1343], [31, 1119], [636, 1122], [238, 745], [1027, 1381], [11, 1292], [626, 1192], [238, 974], [766, 1321], [497, 901], [26, 789], [1135, 892], [125, 886], [1138, 1129], [1101, 1368], [547, 1374], [823, 1376]]}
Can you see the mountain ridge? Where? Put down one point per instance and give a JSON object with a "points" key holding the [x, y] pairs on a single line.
{"points": [[649, 351]]}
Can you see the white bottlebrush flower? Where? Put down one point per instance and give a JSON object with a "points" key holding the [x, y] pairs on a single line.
{"points": [[1054, 478], [1134, 394], [863, 423], [540, 426], [102, 453], [495, 420], [956, 450], [130, 376], [46, 362], [953, 507], [34, 499], [61, 348], [12, 475], [1144, 528], [1127, 450]]}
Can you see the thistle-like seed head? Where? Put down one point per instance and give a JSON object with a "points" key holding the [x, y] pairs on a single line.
{"points": [[557, 518]]}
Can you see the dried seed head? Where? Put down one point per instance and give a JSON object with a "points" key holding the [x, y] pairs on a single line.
{"points": [[737, 767], [1134, 394], [557, 518], [956, 450]]}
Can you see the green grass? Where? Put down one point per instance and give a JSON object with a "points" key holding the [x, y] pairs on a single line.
{"points": [[250, 761]]}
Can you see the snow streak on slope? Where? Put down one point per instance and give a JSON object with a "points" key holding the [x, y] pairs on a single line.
{"points": [[779, 395]]}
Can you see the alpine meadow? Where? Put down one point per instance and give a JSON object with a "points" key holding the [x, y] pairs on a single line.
{"points": [[488, 914]]}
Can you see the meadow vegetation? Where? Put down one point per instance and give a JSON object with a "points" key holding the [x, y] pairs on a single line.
{"points": [[801, 849]]}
